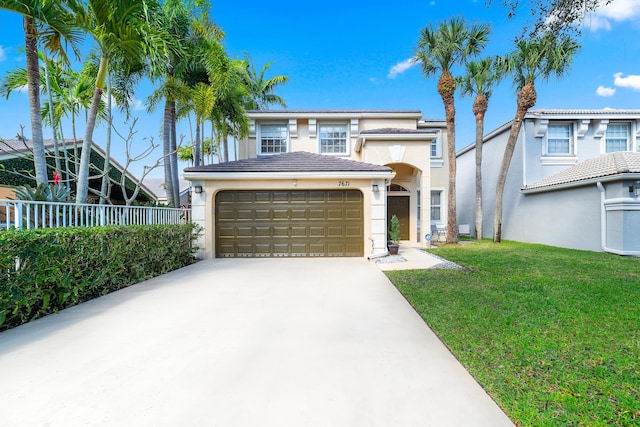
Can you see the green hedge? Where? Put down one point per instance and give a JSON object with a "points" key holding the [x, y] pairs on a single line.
{"points": [[43, 271]]}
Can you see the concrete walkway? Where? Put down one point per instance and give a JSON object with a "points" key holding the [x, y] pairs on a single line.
{"points": [[241, 342], [410, 257]]}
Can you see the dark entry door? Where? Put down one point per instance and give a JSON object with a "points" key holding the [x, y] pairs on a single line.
{"points": [[399, 206]]}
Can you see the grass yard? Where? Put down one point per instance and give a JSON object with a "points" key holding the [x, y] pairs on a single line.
{"points": [[552, 334]]}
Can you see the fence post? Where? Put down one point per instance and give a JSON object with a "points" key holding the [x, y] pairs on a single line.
{"points": [[18, 215]]}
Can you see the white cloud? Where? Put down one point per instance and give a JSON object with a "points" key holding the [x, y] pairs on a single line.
{"points": [[23, 89], [605, 91], [401, 67], [3, 53], [136, 105], [616, 11], [630, 81]]}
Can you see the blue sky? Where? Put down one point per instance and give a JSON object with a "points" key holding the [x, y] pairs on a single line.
{"points": [[354, 55]]}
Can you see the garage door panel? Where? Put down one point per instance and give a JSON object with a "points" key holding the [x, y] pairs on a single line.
{"points": [[289, 223]]}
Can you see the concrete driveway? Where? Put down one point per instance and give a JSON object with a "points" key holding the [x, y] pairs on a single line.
{"points": [[240, 342]]}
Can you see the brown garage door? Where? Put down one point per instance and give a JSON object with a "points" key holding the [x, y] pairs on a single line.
{"points": [[289, 223]]}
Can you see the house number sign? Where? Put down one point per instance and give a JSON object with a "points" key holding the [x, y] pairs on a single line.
{"points": [[344, 183]]}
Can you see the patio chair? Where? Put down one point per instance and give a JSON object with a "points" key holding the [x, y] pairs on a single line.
{"points": [[437, 232], [464, 230]]}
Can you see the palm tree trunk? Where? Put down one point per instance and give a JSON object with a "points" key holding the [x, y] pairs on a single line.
{"points": [[85, 156], [225, 145], [526, 100], [480, 108], [54, 128], [446, 89], [174, 156], [196, 148], [166, 153], [33, 84], [104, 188]]}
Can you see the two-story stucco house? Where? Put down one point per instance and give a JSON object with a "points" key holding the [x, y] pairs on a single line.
{"points": [[574, 180], [322, 183]]}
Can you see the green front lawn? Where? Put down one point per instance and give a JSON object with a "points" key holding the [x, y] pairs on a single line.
{"points": [[552, 334]]}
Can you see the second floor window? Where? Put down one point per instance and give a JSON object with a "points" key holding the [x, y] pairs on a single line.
{"points": [[617, 137], [559, 140], [333, 138], [273, 138]]}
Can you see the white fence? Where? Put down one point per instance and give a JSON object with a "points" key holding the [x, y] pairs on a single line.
{"points": [[28, 214]]}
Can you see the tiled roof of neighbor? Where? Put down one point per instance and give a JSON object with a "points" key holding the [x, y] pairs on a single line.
{"points": [[395, 131], [578, 112], [15, 145], [297, 161], [596, 167], [331, 111]]}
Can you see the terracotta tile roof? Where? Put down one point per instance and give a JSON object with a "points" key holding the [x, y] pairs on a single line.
{"points": [[297, 161], [596, 167], [395, 131]]}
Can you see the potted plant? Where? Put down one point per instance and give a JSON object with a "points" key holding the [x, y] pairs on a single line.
{"points": [[394, 236]]}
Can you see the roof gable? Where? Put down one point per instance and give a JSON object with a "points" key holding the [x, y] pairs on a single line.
{"points": [[597, 167]]}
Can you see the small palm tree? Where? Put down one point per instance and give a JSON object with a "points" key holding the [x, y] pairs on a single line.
{"points": [[119, 27], [479, 80], [541, 58], [260, 89], [439, 49]]}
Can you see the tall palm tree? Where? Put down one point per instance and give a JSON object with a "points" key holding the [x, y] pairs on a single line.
{"points": [[177, 20], [203, 99], [118, 27], [532, 59], [479, 80], [260, 90], [439, 49], [47, 21]]}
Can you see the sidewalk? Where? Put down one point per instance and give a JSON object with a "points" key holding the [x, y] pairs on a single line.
{"points": [[410, 257]]}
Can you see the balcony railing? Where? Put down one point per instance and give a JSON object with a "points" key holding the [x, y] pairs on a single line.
{"points": [[29, 214]]}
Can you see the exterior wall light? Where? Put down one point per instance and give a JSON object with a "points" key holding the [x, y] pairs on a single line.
{"points": [[635, 188], [197, 189], [374, 188]]}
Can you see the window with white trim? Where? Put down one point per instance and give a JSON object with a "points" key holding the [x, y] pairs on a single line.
{"points": [[333, 138], [273, 138], [617, 137], [559, 140], [436, 149], [436, 206]]}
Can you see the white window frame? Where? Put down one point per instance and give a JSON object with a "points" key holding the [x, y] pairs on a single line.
{"points": [[261, 127], [347, 143], [572, 140], [437, 161], [431, 206], [629, 136]]}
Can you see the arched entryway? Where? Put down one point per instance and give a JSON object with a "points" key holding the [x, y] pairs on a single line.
{"points": [[403, 200]]}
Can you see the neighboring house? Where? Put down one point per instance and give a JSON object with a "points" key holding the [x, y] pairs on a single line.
{"points": [[15, 155], [157, 185], [322, 183], [574, 180]]}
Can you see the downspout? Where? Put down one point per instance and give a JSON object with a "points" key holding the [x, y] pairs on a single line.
{"points": [[603, 219]]}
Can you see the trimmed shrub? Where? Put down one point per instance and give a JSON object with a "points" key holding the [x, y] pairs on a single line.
{"points": [[46, 270]]}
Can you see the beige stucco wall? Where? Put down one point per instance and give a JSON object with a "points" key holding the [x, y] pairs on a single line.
{"points": [[302, 141], [374, 214], [411, 163]]}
